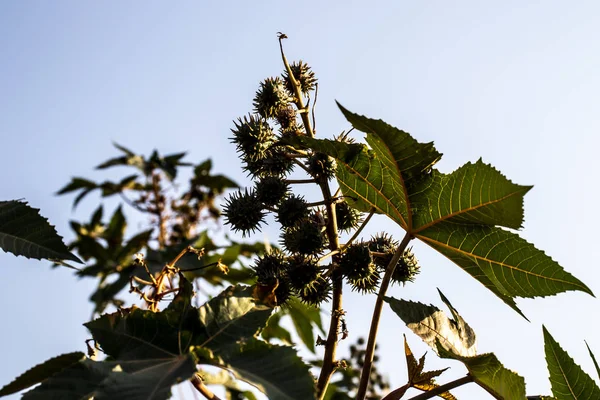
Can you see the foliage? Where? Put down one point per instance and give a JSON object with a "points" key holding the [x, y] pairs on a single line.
{"points": [[469, 216]]}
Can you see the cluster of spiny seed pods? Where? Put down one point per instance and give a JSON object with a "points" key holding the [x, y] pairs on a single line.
{"points": [[297, 269]]}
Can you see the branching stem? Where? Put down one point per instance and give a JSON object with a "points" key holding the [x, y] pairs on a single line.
{"points": [[368, 361], [201, 387], [359, 230]]}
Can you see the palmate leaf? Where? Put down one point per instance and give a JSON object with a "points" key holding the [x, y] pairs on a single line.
{"points": [[419, 379], [24, 232], [126, 380], [475, 193], [457, 214], [505, 263], [42, 372], [221, 333], [433, 326], [568, 380], [490, 374]]}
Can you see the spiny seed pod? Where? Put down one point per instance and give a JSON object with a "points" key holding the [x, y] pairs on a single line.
{"points": [[383, 247], [273, 161], [303, 74], [304, 238], [367, 283], [243, 212], [291, 210], [270, 190], [407, 268], [252, 136], [286, 118], [302, 271], [271, 265], [321, 166], [357, 263], [347, 217], [270, 97], [317, 292]]}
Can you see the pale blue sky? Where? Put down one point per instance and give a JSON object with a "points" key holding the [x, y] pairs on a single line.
{"points": [[513, 82]]}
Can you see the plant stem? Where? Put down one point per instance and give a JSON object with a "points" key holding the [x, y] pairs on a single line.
{"points": [[368, 362], [334, 244], [303, 110], [441, 389], [159, 209], [336, 305], [201, 387], [359, 230]]}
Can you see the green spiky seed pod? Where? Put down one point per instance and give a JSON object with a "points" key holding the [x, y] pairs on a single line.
{"points": [[366, 283], [303, 74], [384, 248], [270, 190], [252, 136], [304, 238], [292, 210], [302, 271], [321, 166], [271, 265], [347, 217], [270, 97], [317, 292], [273, 161], [357, 262], [407, 268], [243, 212]]}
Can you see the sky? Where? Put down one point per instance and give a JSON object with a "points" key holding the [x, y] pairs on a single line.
{"points": [[512, 82]]}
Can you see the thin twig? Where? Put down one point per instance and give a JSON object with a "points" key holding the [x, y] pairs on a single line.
{"points": [[131, 203], [370, 351], [359, 230], [297, 91], [158, 211], [313, 108], [201, 387], [300, 181]]}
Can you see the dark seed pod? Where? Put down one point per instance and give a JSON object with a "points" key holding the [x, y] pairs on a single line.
{"points": [[317, 292], [303, 74], [407, 268], [243, 212], [273, 161], [368, 282], [252, 136], [384, 248], [347, 217], [302, 271], [291, 210], [304, 238], [270, 266], [321, 166], [270, 190], [271, 97], [357, 263]]}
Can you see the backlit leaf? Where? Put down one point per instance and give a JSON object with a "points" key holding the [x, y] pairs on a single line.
{"points": [[568, 380]]}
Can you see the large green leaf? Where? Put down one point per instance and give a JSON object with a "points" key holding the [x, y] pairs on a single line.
{"points": [[514, 266], [593, 357], [133, 380], [24, 232], [475, 193], [568, 380], [41, 372], [222, 333], [490, 374], [433, 326]]}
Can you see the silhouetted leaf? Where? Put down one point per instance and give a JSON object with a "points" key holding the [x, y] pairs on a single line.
{"points": [[24, 232], [41, 372], [568, 380], [125, 380]]}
